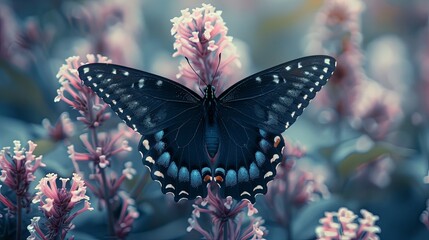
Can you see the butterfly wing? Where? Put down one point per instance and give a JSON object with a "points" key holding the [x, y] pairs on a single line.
{"points": [[252, 115], [166, 114]]}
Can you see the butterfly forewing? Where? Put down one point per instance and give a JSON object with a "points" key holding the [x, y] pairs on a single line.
{"points": [[254, 112], [166, 114], [274, 98], [146, 102]]}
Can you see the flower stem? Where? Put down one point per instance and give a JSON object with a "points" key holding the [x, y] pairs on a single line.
{"points": [[106, 194], [18, 217], [107, 202]]}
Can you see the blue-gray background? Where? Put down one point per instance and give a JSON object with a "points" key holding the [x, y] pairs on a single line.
{"points": [[36, 37]]}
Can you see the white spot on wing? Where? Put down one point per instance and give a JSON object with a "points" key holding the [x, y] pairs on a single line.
{"points": [[100, 75], [170, 186], [311, 89], [321, 76], [114, 71], [274, 158], [107, 95], [159, 83], [325, 70], [135, 127], [299, 105], [245, 193], [146, 144], [268, 174], [183, 192], [317, 83], [314, 68], [114, 102], [288, 68], [126, 73], [150, 159], [287, 125], [101, 90], [86, 70], [141, 83], [258, 187], [258, 79], [94, 84], [328, 61], [276, 79], [299, 65], [129, 117], [158, 174], [89, 78], [121, 110], [292, 114], [305, 97]]}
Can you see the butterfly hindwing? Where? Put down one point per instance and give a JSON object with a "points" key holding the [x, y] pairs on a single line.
{"points": [[166, 114], [254, 112]]}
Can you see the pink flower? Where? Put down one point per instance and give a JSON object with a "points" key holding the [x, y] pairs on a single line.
{"points": [[343, 225], [57, 204], [201, 36], [17, 171], [226, 215], [127, 216], [350, 94], [111, 25], [113, 183], [92, 109], [63, 128], [108, 145], [293, 187]]}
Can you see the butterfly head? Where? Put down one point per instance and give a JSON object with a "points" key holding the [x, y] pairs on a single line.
{"points": [[209, 91]]}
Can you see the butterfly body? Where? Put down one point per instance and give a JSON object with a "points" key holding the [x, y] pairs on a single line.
{"points": [[233, 139], [211, 139]]}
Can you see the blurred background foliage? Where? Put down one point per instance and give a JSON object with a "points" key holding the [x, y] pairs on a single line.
{"points": [[361, 167]]}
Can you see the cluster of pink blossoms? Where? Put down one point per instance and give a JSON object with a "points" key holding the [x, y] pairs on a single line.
{"points": [[108, 145], [17, 172], [62, 129], [351, 95], [343, 225], [92, 109], [57, 204], [99, 147], [227, 217], [201, 36]]}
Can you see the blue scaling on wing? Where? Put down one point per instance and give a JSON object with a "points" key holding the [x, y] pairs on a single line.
{"points": [[252, 115], [166, 114]]}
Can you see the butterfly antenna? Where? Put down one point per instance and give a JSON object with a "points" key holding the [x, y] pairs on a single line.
{"points": [[199, 77], [217, 68]]}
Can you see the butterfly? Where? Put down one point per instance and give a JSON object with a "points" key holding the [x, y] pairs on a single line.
{"points": [[233, 139]]}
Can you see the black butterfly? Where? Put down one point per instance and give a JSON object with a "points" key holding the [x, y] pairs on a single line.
{"points": [[233, 139]]}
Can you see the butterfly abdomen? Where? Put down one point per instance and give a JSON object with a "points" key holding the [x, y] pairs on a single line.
{"points": [[212, 139]]}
